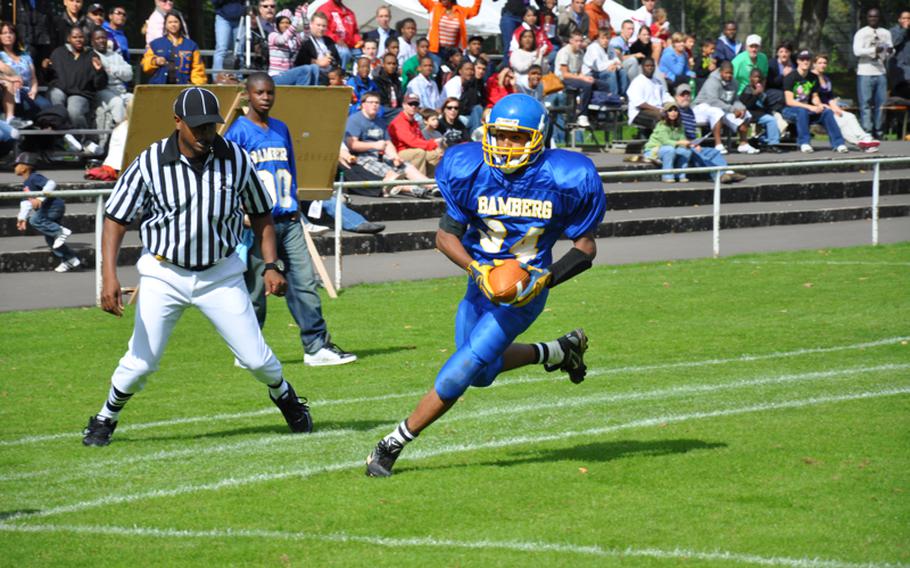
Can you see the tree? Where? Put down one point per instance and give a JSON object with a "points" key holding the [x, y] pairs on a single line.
{"points": [[811, 22]]}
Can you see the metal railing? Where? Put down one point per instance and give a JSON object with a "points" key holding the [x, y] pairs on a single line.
{"points": [[875, 163]]}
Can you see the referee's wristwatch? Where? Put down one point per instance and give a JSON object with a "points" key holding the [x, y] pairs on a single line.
{"points": [[277, 266]]}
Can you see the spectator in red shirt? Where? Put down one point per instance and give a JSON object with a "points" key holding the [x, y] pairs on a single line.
{"points": [[409, 140], [342, 29], [500, 85]]}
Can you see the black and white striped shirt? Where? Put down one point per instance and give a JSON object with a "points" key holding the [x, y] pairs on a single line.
{"points": [[192, 215]]}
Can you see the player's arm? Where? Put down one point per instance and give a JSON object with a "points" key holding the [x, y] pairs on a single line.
{"points": [[448, 241], [111, 238], [577, 260], [264, 232]]}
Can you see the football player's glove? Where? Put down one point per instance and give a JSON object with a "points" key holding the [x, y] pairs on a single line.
{"points": [[480, 274], [540, 277]]}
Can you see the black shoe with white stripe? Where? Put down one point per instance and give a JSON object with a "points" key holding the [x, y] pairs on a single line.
{"points": [[295, 410], [574, 344], [98, 432], [382, 458]]}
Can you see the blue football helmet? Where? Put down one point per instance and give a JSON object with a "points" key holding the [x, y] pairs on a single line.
{"points": [[514, 113]]}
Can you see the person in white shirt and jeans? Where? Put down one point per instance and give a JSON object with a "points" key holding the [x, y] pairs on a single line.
{"points": [[872, 46]]}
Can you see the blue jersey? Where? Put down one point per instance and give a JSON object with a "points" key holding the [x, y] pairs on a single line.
{"points": [[520, 215], [273, 155]]}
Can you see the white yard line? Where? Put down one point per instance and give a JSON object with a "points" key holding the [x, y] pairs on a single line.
{"points": [[820, 262], [446, 449], [511, 409], [505, 381], [431, 542]]}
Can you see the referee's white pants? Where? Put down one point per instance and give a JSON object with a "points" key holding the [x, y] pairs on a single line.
{"points": [[219, 292]]}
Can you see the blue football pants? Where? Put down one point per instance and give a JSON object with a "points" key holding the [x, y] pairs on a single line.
{"points": [[483, 331]]}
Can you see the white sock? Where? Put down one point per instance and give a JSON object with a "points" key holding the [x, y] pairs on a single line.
{"points": [[278, 391], [549, 352], [401, 434], [116, 399]]}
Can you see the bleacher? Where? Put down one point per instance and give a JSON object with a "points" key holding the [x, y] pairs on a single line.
{"points": [[768, 199]]}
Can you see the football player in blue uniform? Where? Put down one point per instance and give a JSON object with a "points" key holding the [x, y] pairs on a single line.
{"points": [[506, 197], [268, 142]]}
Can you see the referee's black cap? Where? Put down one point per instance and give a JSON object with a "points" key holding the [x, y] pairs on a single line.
{"points": [[196, 106]]}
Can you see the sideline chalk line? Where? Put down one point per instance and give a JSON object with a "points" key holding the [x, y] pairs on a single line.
{"points": [[427, 542], [447, 449], [505, 381], [492, 410]]}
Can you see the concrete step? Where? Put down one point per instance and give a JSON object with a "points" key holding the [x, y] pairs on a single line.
{"points": [[80, 217], [29, 253]]}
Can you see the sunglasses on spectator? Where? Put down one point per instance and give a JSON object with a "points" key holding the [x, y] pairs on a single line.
{"points": [[451, 108], [413, 104]]}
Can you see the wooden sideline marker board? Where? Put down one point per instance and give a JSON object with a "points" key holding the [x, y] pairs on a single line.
{"points": [[315, 117]]}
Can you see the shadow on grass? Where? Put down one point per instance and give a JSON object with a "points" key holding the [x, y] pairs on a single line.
{"points": [[592, 453], [279, 427]]}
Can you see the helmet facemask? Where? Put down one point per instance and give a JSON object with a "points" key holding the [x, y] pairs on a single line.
{"points": [[510, 158]]}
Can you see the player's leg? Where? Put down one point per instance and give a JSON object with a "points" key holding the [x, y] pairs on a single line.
{"points": [[483, 333], [222, 297], [165, 294], [255, 285], [303, 299]]}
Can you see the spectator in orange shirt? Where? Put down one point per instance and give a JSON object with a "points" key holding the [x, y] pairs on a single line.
{"points": [[409, 140], [448, 30], [598, 19]]}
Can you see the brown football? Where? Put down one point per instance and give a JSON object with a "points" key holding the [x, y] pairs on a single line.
{"points": [[508, 280]]}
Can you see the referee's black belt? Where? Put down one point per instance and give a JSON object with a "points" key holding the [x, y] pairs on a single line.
{"points": [[287, 217], [199, 268]]}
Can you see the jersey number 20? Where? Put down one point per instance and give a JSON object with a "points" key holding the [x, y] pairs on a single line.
{"points": [[279, 186]]}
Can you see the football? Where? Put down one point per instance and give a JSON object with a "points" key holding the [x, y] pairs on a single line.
{"points": [[508, 280]]}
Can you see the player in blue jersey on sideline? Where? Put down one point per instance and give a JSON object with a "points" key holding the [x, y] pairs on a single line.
{"points": [[506, 197], [268, 143]]}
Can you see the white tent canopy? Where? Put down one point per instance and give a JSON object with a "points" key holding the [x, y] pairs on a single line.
{"points": [[486, 23]]}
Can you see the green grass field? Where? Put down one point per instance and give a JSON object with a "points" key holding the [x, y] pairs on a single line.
{"points": [[748, 410]]}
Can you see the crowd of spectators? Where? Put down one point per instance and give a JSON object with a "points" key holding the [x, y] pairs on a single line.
{"points": [[431, 91]]}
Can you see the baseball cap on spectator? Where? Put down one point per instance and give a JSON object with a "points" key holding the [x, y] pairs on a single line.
{"points": [[27, 158], [804, 54], [753, 39], [197, 106], [670, 104], [411, 98], [683, 88], [95, 8]]}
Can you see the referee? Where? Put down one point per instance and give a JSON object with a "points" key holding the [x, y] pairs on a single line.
{"points": [[192, 189]]}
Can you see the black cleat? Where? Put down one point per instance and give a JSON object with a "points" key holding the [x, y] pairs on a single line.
{"points": [[295, 410], [574, 344], [382, 458], [98, 431]]}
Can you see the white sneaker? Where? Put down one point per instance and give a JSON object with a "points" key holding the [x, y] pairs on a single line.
{"points": [[806, 149], [315, 229], [721, 148], [747, 149], [61, 238], [842, 149], [330, 354], [582, 121], [68, 265], [71, 143], [93, 149]]}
